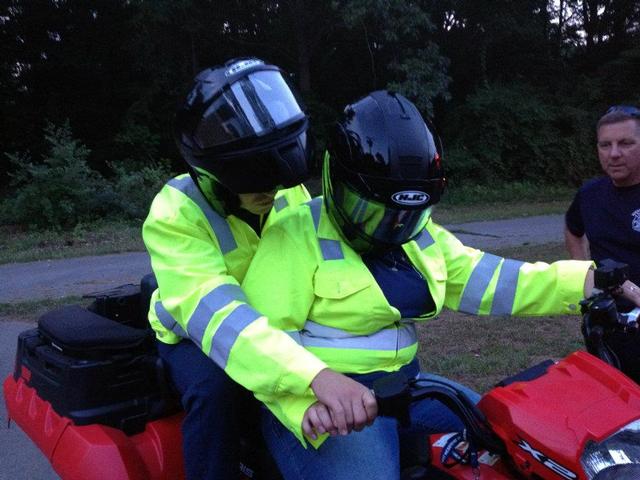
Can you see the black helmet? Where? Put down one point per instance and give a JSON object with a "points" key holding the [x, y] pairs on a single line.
{"points": [[382, 174], [242, 125]]}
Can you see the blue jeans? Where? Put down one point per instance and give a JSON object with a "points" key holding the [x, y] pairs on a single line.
{"points": [[209, 397], [372, 454]]}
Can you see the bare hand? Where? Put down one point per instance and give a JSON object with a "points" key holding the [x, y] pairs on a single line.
{"points": [[351, 405], [317, 421], [631, 292]]}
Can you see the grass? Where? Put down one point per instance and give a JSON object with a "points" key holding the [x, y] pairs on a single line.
{"points": [[30, 311], [479, 352], [21, 244], [446, 214], [477, 202]]}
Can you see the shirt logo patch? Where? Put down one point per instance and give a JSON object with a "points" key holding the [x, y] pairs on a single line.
{"points": [[635, 223]]}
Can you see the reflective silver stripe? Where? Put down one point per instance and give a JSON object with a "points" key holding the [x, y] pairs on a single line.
{"points": [[478, 282], [331, 249], [167, 320], [506, 288], [280, 203], [215, 300], [229, 329], [226, 335], [316, 335], [315, 205], [218, 224], [424, 239]]}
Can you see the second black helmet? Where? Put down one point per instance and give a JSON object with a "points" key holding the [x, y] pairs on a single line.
{"points": [[383, 172]]}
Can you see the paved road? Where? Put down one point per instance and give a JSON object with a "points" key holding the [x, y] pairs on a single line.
{"points": [[20, 282]]}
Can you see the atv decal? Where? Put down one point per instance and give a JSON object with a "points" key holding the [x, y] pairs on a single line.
{"points": [[546, 461]]}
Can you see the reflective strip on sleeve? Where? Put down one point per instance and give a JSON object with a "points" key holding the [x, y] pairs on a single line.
{"points": [[478, 282], [229, 329], [280, 203], [215, 300], [424, 239], [226, 335], [316, 206], [218, 224], [506, 288], [316, 335], [331, 249], [167, 320]]}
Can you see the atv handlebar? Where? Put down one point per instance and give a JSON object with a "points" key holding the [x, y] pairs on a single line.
{"points": [[600, 316], [395, 393]]}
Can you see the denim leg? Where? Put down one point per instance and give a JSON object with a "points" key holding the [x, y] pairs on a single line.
{"points": [[372, 454], [431, 416], [209, 434]]}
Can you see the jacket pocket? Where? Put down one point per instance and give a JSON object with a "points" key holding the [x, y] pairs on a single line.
{"points": [[336, 280]]}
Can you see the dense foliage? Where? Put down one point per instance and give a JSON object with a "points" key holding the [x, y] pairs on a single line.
{"points": [[514, 86]]}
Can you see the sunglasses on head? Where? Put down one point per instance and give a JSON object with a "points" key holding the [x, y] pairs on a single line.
{"points": [[627, 109]]}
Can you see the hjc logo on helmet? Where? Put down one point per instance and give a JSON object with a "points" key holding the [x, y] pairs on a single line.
{"points": [[410, 197], [242, 65]]}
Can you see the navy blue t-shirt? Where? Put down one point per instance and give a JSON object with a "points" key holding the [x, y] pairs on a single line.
{"points": [[403, 286], [610, 217]]}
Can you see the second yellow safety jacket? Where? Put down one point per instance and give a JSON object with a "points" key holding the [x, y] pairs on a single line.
{"points": [[199, 259], [313, 285]]}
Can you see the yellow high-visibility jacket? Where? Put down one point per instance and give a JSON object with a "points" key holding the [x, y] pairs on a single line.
{"points": [[199, 258], [310, 283]]}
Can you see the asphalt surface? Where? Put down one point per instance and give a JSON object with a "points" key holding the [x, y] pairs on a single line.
{"points": [[20, 282]]}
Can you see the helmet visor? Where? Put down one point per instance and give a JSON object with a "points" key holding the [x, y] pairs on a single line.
{"points": [[254, 105], [375, 220]]}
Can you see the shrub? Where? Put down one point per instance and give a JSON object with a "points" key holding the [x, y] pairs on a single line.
{"points": [[61, 190], [134, 190], [514, 133]]}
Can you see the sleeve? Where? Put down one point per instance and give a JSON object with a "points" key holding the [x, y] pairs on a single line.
{"points": [[200, 300], [484, 284], [573, 217]]}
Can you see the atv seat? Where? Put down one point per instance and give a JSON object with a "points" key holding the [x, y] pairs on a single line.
{"points": [[78, 332]]}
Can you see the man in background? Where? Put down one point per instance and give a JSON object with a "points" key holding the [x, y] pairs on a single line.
{"points": [[603, 220]]}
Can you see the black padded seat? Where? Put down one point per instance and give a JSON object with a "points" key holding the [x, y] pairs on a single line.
{"points": [[76, 331]]}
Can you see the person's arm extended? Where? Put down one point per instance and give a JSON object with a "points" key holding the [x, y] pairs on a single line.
{"points": [[578, 247]]}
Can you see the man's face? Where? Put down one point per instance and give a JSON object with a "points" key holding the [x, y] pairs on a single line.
{"points": [[619, 152], [257, 203]]}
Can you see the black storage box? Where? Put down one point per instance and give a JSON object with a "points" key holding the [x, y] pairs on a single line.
{"points": [[127, 304], [94, 370]]}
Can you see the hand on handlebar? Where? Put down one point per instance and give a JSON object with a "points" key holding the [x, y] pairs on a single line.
{"points": [[631, 292], [351, 405]]}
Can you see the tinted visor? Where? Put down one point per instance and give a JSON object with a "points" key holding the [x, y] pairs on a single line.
{"points": [[252, 106], [375, 219], [282, 166]]}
